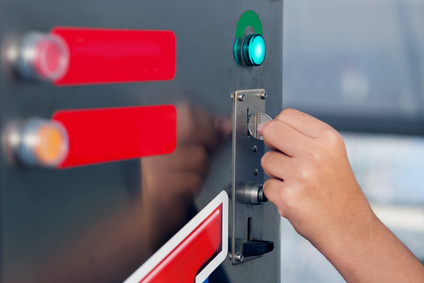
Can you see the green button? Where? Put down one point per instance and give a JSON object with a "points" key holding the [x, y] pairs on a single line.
{"points": [[254, 50]]}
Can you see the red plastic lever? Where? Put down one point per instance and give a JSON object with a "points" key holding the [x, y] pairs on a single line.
{"points": [[104, 135], [100, 56]]}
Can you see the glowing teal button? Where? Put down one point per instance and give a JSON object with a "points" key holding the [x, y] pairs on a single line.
{"points": [[254, 50]]}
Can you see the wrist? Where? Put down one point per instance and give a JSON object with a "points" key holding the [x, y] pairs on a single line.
{"points": [[354, 242], [372, 253]]}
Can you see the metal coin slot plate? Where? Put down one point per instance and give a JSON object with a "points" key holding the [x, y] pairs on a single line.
{"points": [[247, 152]]}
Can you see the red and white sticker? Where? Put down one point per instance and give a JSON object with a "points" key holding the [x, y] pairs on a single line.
{"points": [[194, 252]]}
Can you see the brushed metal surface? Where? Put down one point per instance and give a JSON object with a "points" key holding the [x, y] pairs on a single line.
{"points": [[99, 223], [247, 151]]}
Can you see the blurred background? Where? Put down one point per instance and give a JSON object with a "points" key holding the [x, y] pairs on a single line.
{"points": [[359, 66]]}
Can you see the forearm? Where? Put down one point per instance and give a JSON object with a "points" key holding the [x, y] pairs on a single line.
{"points": [[313, 186], [372, 253]]}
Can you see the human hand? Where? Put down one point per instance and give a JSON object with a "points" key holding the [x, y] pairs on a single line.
{"points": [[311, 181], [313, 186]]}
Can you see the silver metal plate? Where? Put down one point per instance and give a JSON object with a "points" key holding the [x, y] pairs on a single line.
{"points": [[247, 152]]}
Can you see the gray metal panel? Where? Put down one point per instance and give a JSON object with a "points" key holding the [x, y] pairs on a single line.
{"points": [[82, 224]]}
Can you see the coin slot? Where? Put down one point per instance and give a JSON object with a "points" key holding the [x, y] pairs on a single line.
{"points": [[249, 224], [247, 121]]}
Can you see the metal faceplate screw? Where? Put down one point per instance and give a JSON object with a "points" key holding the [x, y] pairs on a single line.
{"points": [[256, 171], [241, 97], [239, 257], [263, 95], [254, 148]]}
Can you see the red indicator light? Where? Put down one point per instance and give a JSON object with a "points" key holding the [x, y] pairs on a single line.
{"points": [[100, 56], [37, 142], [105, 135], [42, 56]]}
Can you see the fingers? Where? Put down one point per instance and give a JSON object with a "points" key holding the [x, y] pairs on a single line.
{"points": [[303, 122], [276, 165], [275, 193], [282, 137]]}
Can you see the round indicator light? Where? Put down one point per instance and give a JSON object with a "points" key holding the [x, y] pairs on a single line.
{"points": [[43, 56], [43, 142], [254, 50], [237, 51]]}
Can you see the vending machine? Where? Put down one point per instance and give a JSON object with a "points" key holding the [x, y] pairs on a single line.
{"points": [[129, 150]]}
